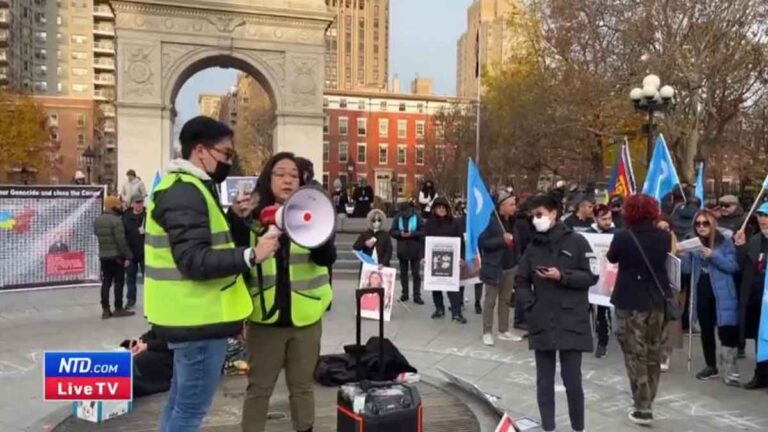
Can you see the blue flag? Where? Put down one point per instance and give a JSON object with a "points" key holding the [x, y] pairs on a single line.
{"points": [[700, 185], [155, 182], [765, 183], [662, 177], [762, 336], [480, 206]]}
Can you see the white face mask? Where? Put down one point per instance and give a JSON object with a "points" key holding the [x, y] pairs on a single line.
{"points": [[376, 226], [542, 224]]}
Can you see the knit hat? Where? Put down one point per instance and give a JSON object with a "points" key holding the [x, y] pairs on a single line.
{"points": [[79, 175], [503, 196], [112, 202]]}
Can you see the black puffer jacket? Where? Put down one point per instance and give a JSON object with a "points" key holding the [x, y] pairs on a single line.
{"points": [[133, 224], [558, 314], [182, 212], [445, 226], [408, 247]]}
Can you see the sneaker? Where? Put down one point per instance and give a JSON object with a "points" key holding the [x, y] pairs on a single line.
{"points": [[488, 339], [707, 373], [601, 351], [131, 304], [755, 384], [122, 313], [106, 314], [438, 313], [664, 364], [418, 300], [459, 319], [733, 380], [641, 418], [509, 336], [478, 308]]}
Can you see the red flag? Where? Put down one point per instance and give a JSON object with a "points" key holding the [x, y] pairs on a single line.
{"points": [[621, 184], [506, 424]]}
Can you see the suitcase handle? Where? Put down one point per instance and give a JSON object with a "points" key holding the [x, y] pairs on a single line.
{"points": [[358, 324]]}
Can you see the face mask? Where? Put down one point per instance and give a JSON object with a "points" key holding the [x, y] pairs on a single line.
{"points": [[765, 232], [542, 224], [220, 172], [376, 225]]}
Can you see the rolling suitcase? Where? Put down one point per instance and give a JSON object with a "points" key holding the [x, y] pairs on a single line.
{"points": [[377, 406]]}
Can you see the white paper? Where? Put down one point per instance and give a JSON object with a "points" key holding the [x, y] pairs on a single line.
{"points": [[373, 276], [600, 293], [690, 245], [673, 271], [442, 261]]}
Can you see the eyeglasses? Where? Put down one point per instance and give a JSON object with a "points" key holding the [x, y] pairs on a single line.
{"points": [[726, 205], [376, 219], [228, 155], [704, 224]]}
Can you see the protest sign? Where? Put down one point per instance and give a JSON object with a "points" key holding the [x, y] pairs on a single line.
{"points": [[674, 267], [600, 293], [47, 238], [373, 276], [442, 267], [232, 186]]}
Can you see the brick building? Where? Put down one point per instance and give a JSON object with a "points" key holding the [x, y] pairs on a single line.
{"points": [[381, 138]]}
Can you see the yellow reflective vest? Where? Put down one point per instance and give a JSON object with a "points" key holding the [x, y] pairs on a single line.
{"points": [[171, 299], [311, 291]]}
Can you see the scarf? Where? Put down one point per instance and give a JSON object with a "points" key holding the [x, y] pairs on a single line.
{"points": [[413, 221]]}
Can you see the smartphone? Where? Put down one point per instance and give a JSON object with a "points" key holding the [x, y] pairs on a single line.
{"points": [[542, 269]]}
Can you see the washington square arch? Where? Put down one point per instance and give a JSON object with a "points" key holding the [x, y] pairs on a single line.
{"points": [[161, 43]]}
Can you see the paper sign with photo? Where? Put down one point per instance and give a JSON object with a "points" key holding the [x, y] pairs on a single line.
{"points": [[442, 263], [673, 271], [373, 276], [600, 293]]}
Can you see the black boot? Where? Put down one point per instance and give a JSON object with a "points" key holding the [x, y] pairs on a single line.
{"points": [[418, 300], [404, 297], [458, 317], [755, 383], [105, 314], [478, 308], [438, 313]]}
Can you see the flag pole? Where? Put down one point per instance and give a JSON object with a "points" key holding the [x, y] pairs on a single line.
{"points": [[754, 206], [478, 74]]}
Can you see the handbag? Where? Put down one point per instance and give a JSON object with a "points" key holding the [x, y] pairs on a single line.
{"points": [[672, 310]]}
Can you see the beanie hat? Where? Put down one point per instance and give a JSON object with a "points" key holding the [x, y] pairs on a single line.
{"points": [[503, 196], [112, 202]]}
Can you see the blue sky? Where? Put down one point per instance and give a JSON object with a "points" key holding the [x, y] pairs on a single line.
{"points": [[422, 40]]}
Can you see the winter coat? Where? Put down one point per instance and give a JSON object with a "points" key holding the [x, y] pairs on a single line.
{"points": [[426, 201], [383, 244], [132, 188], [497, 255], [110, 233], [635, 288], [523, 233], [752, 258], [721, 267], [579, 225], [411, 247], [682, 219], [445, 226], [732, 222], [340, 201], [134, 228], [363, 198], [155, 366], [558, 312], [182, 212]]}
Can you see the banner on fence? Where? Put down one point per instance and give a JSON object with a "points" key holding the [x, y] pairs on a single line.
{"points": [[46, 233]]}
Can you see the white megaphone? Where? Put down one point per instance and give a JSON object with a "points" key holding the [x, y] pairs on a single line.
{"points": [[308, 217]]}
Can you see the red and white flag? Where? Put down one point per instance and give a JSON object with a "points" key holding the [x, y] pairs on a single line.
{"points": [[506, 424]]}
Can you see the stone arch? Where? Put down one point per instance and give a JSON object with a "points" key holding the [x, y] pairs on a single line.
{"points": [[160, 44]]}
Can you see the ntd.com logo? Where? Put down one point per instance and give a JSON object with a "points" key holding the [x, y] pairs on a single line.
{"points": [[88, 375]]}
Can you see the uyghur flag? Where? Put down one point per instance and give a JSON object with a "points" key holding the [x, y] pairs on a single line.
{"points": [[480, 206], [762, 336], [699, 191], [662, 177]]}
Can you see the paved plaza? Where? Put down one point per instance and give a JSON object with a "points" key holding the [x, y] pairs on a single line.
{"points": [[69, 319]]}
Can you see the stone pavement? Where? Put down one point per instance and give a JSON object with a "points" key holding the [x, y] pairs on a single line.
{"points": [[69, 319]]}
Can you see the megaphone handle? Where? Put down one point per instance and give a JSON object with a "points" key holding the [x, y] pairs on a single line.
{"points": [[273, 229]]}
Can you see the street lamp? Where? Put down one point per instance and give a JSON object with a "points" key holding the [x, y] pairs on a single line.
{"points": [[89, 156], [651, 98]]}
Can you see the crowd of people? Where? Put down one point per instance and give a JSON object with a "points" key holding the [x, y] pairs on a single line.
{"points": [[212, 276]]}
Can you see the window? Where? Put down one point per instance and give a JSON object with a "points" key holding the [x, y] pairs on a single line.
{"points": [[401, 179], [383, 127], [325, 102], [402, 128], [41, 54], [361, 104], [41, 36], [362, 126], [54, 117], [383, 154], [343, 125], [59, 20], [420, 129], [383, 105], [326, 123], [59, 87], [80, 88], [42, 70], [401, 107], [81, 120], [79, 39], [420, 107], [420, 154], [40, 18], [439, 130], [326, 151], [361, 153], [79, 71], [401, 148], [326, 180], [41, 85], [79, 55], [343, 152], [81, 139], [342, 103]]}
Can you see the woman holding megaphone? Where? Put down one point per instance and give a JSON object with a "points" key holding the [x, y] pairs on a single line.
{"points": [[291, 291]]}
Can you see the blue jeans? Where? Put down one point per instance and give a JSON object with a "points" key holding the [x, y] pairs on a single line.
{"points": [[196, 375], [131, 275]]}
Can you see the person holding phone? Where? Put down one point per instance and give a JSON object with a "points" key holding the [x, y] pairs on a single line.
{"points": [[554, 275]]}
